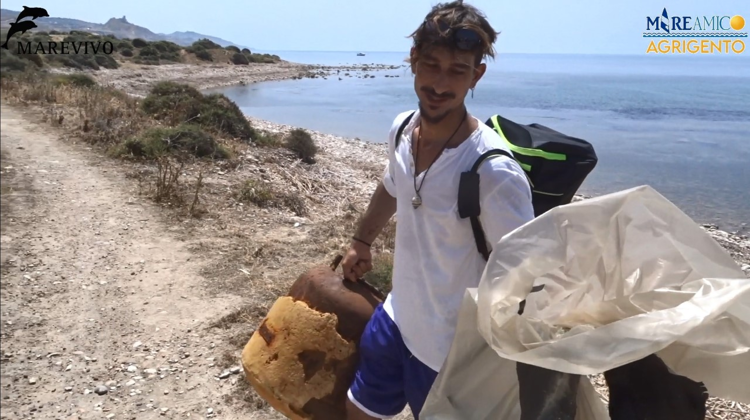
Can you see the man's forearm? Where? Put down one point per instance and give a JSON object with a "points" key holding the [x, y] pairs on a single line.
{"points": [[382, 207]]}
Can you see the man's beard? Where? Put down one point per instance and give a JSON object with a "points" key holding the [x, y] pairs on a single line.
{"points": [[431, 119]]}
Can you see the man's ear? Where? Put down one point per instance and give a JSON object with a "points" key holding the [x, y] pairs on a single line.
{"points": [[478, 73]]}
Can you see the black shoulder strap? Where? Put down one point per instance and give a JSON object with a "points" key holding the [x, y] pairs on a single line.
{"points": [[401, 129], [468, 199], [468, 206]]}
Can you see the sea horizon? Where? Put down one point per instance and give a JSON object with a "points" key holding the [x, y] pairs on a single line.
{"points": [[683, 129]]}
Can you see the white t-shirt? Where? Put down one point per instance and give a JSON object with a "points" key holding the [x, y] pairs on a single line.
{"points": [[436, 258]]}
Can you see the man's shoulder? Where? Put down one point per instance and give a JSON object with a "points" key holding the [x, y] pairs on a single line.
{"points": [[396, 124], [400, 118], [496, 167]]}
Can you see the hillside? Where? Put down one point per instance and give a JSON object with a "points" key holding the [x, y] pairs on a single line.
{"points": [[118, 27]]}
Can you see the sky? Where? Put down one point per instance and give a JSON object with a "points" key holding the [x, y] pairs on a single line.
{"points": [[527, 26]]}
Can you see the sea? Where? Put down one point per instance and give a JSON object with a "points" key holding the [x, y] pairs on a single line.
{"points": [[680, 124]]}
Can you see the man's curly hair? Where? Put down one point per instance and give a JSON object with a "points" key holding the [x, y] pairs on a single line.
{"points": [[453, 16]]}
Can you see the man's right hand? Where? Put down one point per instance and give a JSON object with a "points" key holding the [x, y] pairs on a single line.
{"points": [[357, 261]]}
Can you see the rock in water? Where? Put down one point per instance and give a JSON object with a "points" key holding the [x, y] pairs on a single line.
{"points": [[302, 358]]}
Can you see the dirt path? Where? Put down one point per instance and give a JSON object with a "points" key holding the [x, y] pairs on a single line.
{"points": [[98, 295]]}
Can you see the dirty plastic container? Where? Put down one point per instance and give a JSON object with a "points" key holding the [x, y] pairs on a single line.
{"points": [[302, 357]]}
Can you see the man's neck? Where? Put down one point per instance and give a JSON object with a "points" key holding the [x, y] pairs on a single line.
{"points": [[432, 133]]}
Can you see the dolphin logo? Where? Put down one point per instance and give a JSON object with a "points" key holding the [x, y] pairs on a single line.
{"points": [[21, 27], [32, 12], [664, 23]]}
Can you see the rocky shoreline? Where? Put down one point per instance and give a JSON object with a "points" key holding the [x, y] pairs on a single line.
{"points": [[358, 153], [137, 79]]}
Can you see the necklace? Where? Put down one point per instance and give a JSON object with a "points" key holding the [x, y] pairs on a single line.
{"points": [[416, 201]]}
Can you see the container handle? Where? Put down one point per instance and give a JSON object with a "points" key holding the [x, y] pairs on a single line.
{"points": [[374, 290]]}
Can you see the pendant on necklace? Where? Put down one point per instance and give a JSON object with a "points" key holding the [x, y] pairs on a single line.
{"points": [[416, 201]]}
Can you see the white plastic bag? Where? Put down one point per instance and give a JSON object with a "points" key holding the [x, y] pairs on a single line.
{"points": [[625, 275], [477, 384]]}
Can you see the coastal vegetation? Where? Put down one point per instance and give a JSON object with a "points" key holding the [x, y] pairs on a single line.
{"points": [[84, 50], [175, 124]]}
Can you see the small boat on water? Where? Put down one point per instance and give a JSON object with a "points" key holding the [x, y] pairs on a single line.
{"points": [[360, 54]]}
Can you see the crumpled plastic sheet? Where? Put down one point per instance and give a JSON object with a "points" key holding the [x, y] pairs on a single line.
{"points": [[625, 275]]}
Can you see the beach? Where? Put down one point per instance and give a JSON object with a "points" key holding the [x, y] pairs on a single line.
{"points": [[136, 79], [346, 166]]}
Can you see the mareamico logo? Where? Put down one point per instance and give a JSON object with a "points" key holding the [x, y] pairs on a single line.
{"points": [[50, 47]]}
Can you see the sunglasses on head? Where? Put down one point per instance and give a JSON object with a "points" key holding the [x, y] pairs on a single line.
{"points": [[465, 39]]}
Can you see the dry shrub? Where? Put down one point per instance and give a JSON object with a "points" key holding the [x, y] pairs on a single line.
{"points": [[75, 79], [104, 115], [157, 141], [167, 181], [302, 144], [265, 196], [11, 63], [268, 139]]}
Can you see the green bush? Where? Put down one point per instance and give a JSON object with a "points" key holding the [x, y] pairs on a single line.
{"points": [[106, 61], [166, 46], [262, 58], [126, 52], [204, 55], [239, 58], [302, 144], [123, 45], [264, 196], [150, 61], [38, 37], [232, 48], [267, 139], [10, 62], [157, 141], [74, 39], [76, 61], [159, 46], [246, 51], [66, 61], [225, 116], [257, 193], [34, 58], [140, 43], [174, 103], [75, 79], [148, 51], [170, 56], [206, 44]]}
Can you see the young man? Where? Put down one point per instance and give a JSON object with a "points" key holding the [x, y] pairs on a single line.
{"points": [[436, 257]]}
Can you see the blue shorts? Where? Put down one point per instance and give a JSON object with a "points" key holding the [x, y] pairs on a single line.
{"points": [[388, 376]]}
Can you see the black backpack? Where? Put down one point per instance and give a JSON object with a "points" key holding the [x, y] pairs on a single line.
{"points": [[555, 164]]}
